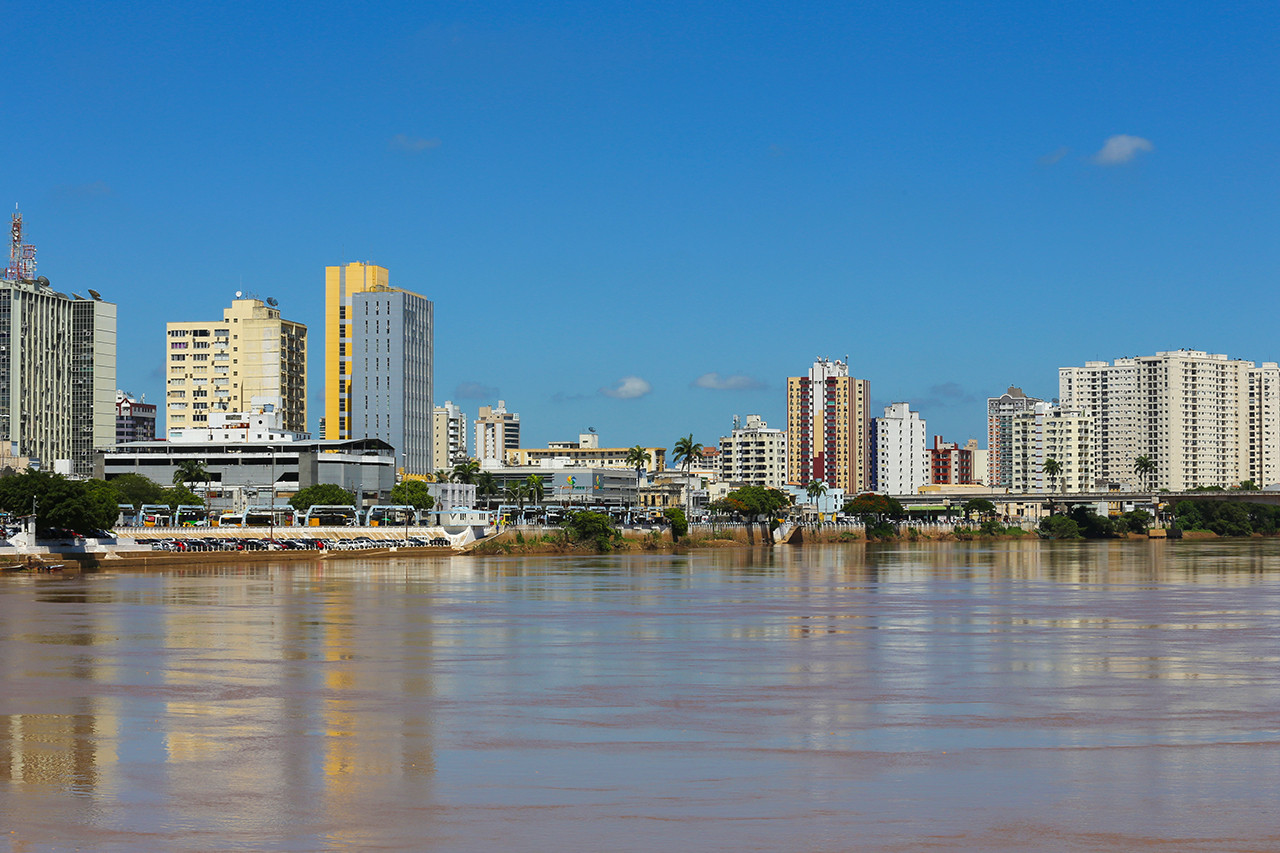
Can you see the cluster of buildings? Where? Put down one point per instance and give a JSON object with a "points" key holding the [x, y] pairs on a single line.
{"points": [[236, 400]]}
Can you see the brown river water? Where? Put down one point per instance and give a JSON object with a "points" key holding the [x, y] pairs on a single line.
{"points": [[964, 696]]}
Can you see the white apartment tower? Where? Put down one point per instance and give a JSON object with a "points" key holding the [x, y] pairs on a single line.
{"points": [[1203, 419], [448, 436], [899, 459], [754, 454], [497, 433]]}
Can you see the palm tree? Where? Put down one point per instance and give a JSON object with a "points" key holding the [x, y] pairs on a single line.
{"points": [[190, 471], [1053, 470], [465, 472], [1144, 467], [537, 488], [685, 451], [639, 458], [518, 492], [486, 486], [815, 490], [442, 475]]}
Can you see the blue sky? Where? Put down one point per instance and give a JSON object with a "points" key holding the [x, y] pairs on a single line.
{"points": [[643, 217]]}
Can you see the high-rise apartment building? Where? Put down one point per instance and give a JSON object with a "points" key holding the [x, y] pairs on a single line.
{"points": [[448, 436], [224, 365], [1047, 432], [899, 460], [754, 454], [1000, 413], [57, 366], [1203, 419], [379, 363], [827, 425], [497, 435]]}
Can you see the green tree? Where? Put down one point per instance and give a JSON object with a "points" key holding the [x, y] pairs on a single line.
{"points": [[486, 486], [517, 491], [596, 528], [414, 493], [180, 496], [679, 524], [758, 504], [1059, 527], [465, 471], [537, 488], [874, 508], [322, 494], [1145, 468], [190, 471], [76, 505], [686, 452], [639, 458], [981, 506], [1053, 470], [441, 475], [136, 490]]}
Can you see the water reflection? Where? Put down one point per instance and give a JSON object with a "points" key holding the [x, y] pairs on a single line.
{"points": [[961, 695]]}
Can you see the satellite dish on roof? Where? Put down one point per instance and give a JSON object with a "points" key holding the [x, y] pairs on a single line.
{"points": [[271, 300], [238, 294], [95, 294]]}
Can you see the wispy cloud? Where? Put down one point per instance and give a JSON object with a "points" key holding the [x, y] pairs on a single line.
{"points": [[475, 391], [736, 382], [411, 144], [628, 388], [93, 189], [1120, 149], [1054, 156]]}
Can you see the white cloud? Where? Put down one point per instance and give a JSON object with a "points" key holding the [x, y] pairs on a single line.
{"points": [[1054, 156], [737, 382], [628, 388], [413, 144], [1121, 148]]}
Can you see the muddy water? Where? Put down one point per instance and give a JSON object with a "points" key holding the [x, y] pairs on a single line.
{"points": [[1019, 696]]}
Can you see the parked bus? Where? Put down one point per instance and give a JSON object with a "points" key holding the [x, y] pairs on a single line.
{"points": [[156, 515], [262, 516], [230, 519], [391, 516], [330, 516], [192, 516], [127, 515]]}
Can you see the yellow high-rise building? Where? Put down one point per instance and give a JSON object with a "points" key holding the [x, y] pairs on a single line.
{"points": [[341, 284], [378, 363]]}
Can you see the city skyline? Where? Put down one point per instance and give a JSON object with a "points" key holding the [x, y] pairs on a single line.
{"points": [[645, 220]]}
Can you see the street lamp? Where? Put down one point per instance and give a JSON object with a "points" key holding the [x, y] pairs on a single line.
{"points": [[271, 501]]}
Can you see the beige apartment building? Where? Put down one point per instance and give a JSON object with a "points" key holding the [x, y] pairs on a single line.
{"points": [[585, 451], [827, 427], [1051, 432], [1202, 418], [497, 435], [754, 454], [224, 365], [448, 436]]}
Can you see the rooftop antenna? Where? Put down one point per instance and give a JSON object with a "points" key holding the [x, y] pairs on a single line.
{"points": [[22, 256]]}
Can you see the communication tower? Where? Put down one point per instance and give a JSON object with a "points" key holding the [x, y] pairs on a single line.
{"points": [[22, 256]]}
